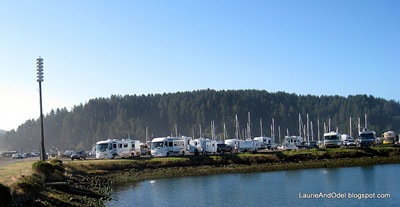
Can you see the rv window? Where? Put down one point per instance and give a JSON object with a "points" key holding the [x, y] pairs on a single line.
{"points": [[120, 146], [125, 145], [170, 144], [114, 145]]}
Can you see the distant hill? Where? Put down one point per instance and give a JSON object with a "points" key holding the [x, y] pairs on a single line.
{"points": [[185, 113], [2, 132]]}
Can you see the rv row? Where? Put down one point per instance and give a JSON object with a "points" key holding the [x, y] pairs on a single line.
{"points": [[177, 146]]}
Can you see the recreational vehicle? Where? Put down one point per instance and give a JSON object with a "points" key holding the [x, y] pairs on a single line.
{"points": [[168, 146], [265, 142], [366, 138], [332, 139], [248, 145], [242, 145], [292, 143], [389, 137], [234, 143], [112, 148], [203, 146]]}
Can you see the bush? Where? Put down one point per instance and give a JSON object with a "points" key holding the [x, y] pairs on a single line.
{"points": [[43, 167], [5, 196]]}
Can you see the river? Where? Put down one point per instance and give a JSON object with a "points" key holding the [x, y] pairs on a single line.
{"points": [[377, 185]]}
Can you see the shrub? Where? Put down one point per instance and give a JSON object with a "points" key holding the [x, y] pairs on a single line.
{"points": [[43, 167], [5, 196]]}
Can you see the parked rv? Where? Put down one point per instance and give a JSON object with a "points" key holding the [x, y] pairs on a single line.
{"points": [[248, 145], [332, 139], [292, 143], [113, 148], [389, 137], [265, 142], [366, 138], [169, 146], [203, 146], [233, 143]]}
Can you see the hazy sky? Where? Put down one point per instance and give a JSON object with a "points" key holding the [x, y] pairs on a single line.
{"points": [[96, 48]]}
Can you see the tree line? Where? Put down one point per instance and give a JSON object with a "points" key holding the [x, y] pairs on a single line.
{"points": [[186, 113]]}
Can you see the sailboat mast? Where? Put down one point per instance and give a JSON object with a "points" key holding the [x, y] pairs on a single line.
{"points": [[350, 132], [318, 130], [249, 125]]}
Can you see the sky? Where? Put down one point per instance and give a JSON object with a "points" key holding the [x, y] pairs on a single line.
{"points": [[96, 48]]}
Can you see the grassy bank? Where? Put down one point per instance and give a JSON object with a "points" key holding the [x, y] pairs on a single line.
{"points": [[88, 183]]}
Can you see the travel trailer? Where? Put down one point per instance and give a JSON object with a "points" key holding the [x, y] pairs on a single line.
{"points": [[169, 146], [292, 143], [248, 145], [114, 148], [265, 142], [203, 146], [242, 145], [332, 139]]}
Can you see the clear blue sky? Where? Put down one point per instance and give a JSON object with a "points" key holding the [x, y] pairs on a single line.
{"points": [[96, 48]]}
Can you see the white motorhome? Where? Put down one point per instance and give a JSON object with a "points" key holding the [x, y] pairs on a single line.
{"points": [[265, 142], [332, 139], [203, 146], [168, 146], [112, 148]]}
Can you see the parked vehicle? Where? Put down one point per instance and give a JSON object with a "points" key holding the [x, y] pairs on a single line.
{"points": [[222, 148], [233, 143], [313, 144], [145, 148], [79, 155], [112, 148], [292, 143], [68, 153], [366, 138], [17, 156], [332, 139], [168, 146], [203, 146], [389, 137], [345, 139], [265, 142], [248, 145], [350, 142]]}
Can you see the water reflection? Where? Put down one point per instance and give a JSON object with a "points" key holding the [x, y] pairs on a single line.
{"points": [[265, 189]]}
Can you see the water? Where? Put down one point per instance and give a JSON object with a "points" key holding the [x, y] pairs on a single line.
{"points": [[352, 186]]}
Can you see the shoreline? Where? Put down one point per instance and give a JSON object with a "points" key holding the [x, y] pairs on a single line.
{"points": [[91, 182]]}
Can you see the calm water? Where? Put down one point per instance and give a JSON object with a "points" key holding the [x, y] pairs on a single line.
{"points": [[353, 186]]}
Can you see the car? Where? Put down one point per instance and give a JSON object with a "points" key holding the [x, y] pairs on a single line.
{"points": [[222, 148], [350, 142], [313, 144], [17, 156], [79, 155]]}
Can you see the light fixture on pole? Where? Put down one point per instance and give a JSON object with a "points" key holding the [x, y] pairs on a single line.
{"points": [[39, 70]]}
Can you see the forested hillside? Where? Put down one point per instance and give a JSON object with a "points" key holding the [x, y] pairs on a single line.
{"points": [[184, 113]]}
